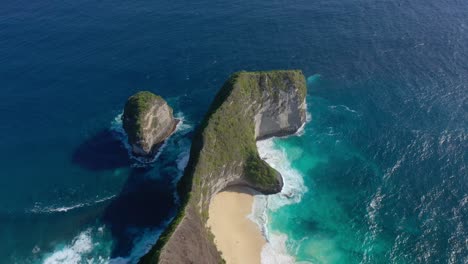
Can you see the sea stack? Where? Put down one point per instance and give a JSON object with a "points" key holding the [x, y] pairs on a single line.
{"points": [[148, 120]]}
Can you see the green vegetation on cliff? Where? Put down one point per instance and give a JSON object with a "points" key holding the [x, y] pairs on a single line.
{"points": [[227, 133], [225, 140], [136, 106]]}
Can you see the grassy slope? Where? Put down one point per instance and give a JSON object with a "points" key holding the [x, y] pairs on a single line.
{"points": [[136, 106]]}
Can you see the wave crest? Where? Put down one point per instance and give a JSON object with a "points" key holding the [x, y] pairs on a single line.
{"points": [[61, 209]]}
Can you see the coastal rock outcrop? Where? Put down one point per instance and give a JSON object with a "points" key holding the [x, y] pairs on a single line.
{"points": [[148, 120], [250, 106]]}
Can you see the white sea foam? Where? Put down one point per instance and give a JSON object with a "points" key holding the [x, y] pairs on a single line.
{"points": [[183, 126], [301, 130], [373, 227], [83, 249], [104, 199], [275, 250], [86, 247], [117, 127], [182, 160], [294, 187], [141, 246], [50, 209], [145, 242], [313, 78], [346, 108], [73, 253], [57, 209]]}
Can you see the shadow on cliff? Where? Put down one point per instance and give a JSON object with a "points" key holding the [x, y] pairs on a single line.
{"points": [[145, 202], [103, 151]]}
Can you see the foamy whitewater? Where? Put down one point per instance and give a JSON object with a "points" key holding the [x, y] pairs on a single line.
{"points": [[275, 252], [117, 127], [90, 247], [51, 209], [80, 250]]}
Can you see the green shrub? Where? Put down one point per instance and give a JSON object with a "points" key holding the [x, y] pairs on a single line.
{"points": [[136, 106]]}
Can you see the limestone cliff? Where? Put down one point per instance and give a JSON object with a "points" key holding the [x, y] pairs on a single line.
{"points": [[148, 121], [250, 106]]}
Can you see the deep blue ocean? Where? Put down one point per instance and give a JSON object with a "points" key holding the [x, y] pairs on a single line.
{"points": [[381, 166]]}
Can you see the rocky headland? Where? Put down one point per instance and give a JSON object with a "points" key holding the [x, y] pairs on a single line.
{"points": [[148, 120], [250, 106]]}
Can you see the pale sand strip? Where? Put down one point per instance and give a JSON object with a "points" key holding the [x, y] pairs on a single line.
{"points": [[236, 236]]}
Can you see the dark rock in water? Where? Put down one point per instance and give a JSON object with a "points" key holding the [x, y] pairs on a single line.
{"points": [[148, 120]]}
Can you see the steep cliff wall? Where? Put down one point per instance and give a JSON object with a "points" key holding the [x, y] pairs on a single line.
{"points": [[250, 106]]}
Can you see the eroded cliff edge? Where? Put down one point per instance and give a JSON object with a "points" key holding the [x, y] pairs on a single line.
{"points": [[249, 106]]}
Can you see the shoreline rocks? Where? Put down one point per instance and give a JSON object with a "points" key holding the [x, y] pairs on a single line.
{"points": [[148, 121]]}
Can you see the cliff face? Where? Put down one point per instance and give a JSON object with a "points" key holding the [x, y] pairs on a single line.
{"points": [[250, 106], [279, 116], [148, 121]]}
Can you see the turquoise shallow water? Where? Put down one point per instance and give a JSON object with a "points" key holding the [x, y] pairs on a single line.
{"points": [[357, 209], [328, 225]]}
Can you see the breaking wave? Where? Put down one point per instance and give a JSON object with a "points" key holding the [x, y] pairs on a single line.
{"points": [[83, 249], [61, 209], [275, 250], [117, 127]]}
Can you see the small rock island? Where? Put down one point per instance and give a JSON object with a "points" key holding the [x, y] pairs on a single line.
{"points": [[148, 120], [250, 106]]}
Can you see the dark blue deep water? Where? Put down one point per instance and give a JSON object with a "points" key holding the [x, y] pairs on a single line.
{"points": [[384, 159]]}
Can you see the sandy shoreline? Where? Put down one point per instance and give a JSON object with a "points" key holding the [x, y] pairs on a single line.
{"points": [[236, 236]]}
